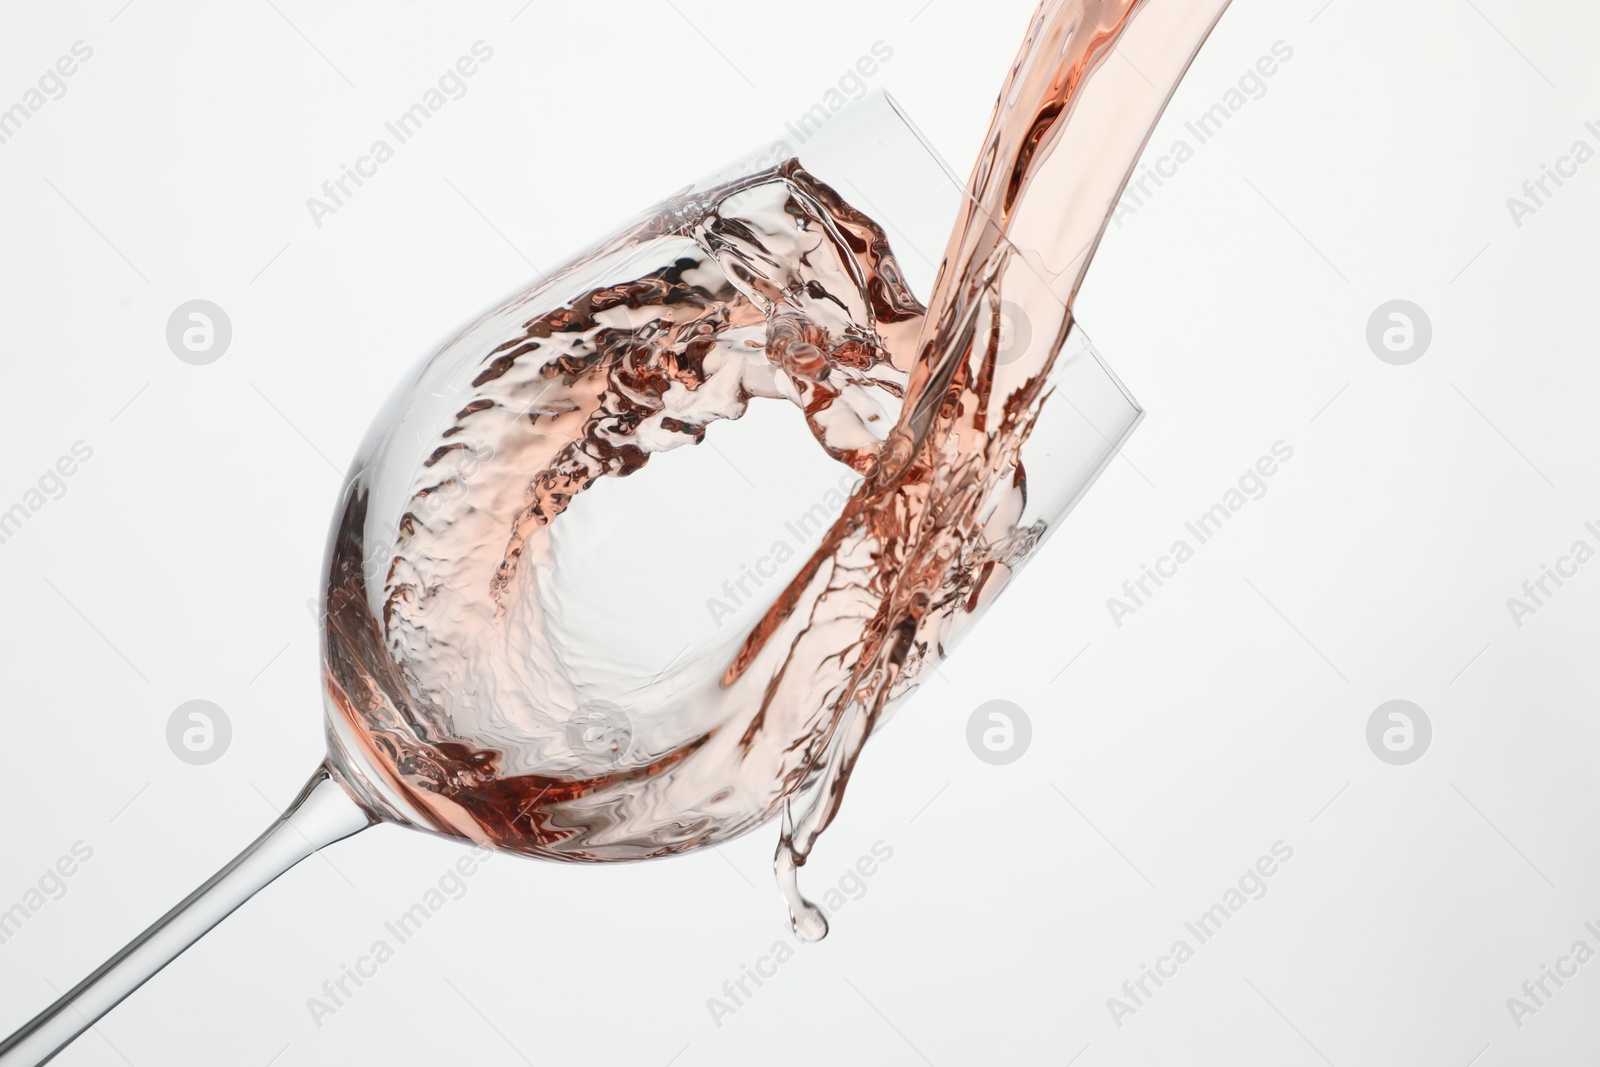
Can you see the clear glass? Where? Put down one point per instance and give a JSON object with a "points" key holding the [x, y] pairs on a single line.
{"points": [[546, 670], [638, 561]]}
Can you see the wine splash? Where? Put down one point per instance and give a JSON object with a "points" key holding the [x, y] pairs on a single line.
{"points": [[464, 699]]}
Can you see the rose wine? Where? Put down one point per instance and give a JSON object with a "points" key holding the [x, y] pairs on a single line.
{"points": [[540, 639]]}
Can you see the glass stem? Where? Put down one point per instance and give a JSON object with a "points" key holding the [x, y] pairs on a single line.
{"points": [[322, 814]]}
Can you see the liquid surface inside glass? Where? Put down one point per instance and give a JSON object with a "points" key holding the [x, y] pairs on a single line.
{"points": [[551, 624], [558, 646]]}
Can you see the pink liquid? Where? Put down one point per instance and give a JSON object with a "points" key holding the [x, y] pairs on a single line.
{"points": [[465, 697]]}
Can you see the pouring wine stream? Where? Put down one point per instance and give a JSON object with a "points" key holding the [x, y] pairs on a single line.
{"points": [[938, 510]]}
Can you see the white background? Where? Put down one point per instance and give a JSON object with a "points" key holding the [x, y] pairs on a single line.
{"points": [[1171, 753]]}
